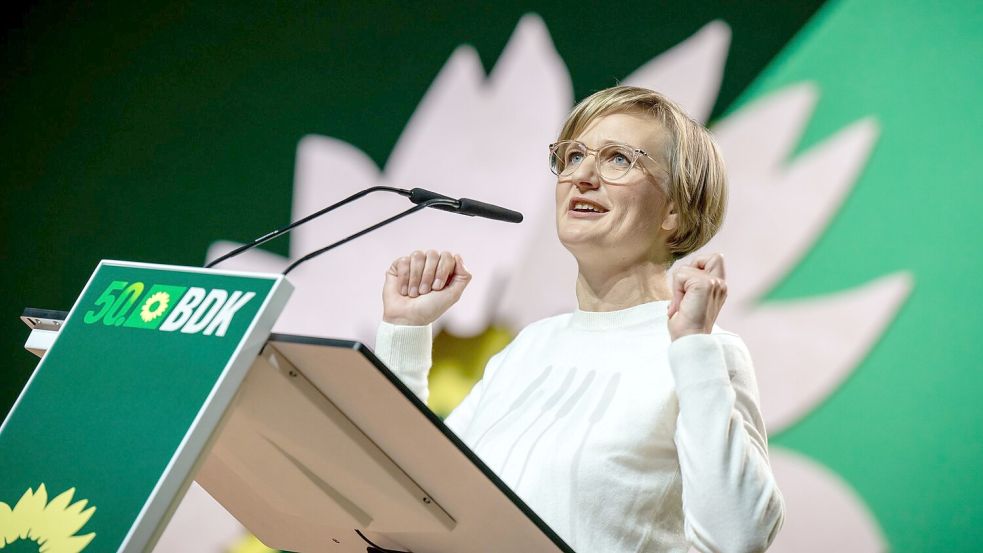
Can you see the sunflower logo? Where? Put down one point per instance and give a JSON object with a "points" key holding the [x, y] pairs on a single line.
{"points": [[51, 525], [155, 306]]}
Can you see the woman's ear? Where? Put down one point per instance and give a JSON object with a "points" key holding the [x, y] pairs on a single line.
{"points": [[671, 220]]}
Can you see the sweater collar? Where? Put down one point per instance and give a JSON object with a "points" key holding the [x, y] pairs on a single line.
{"points": [[607, 320]]}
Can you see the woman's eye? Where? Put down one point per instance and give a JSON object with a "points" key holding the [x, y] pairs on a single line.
{"points": [[574, 157], [619, 159]]}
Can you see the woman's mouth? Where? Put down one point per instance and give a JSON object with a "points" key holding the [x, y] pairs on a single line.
{"points": [[582, 208]]}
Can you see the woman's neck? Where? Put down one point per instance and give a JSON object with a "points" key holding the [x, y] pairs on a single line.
{"points": [[610, 288]]}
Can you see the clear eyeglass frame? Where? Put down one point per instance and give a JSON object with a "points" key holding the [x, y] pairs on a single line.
{"points": [[605, 159]]}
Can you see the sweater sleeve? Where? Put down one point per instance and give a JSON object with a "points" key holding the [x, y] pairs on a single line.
{"points": [[731, 502], [407, 351]]}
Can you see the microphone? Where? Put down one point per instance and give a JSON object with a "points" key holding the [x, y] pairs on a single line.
{"points": [[466, 206], [422, 198]]}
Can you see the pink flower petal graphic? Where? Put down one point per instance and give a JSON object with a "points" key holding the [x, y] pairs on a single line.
{"points": [[689, 73], [822, 513], [804, 348], [466, 139], [779, 208]]}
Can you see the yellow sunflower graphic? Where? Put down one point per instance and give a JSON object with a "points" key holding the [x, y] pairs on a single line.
{"points": [[155, 306], [51, 525]]}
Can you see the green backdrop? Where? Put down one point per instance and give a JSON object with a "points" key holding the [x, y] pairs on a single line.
{"points": [[146, 131]]}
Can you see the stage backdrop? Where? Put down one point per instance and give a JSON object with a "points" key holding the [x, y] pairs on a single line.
{"points": [[169, 132]]}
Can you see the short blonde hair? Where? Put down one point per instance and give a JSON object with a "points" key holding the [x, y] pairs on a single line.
{"points": [[697, 177]]}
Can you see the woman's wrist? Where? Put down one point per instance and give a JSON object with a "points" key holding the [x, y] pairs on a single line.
{"points": [[687, 332], [404, 321]]}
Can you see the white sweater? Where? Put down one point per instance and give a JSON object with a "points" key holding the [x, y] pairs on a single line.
{"points": [[618, 438]]}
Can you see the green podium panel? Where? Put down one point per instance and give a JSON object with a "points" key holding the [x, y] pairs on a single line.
{"points": [[102, 442]]}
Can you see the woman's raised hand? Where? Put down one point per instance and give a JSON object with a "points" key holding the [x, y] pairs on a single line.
{"points": [[698, 292], [421, 286]]}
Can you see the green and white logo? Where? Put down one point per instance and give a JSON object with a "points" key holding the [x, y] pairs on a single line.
{"points": [[190, 310]]}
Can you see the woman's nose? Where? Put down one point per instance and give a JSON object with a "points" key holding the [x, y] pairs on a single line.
{"points": [[585, 175]]}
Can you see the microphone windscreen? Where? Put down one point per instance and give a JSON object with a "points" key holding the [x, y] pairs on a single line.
{"points": [[489, 211]]}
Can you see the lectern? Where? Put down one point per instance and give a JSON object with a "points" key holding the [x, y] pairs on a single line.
{"points": [[160, 375]]}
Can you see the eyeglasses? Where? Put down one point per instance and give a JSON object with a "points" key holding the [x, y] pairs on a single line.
{"points": [[612, 161]]}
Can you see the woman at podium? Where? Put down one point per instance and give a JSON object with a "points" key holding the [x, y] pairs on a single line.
{"points": [[631, 424]]}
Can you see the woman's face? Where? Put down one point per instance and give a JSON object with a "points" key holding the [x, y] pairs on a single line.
{"points": [[632, 225]]}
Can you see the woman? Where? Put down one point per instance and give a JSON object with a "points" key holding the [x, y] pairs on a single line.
{"points": [[631, 424]]}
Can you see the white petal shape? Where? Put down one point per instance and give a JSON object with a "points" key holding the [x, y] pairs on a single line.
{"points": [[822, 513], [199, 525], [689, 73], [466, 139], [488, 126], [759, 138], [326, 171], [449, 105], [803, 349], [775, 216]]}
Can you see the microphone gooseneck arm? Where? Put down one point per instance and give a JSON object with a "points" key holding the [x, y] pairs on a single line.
{"points": [[437, 203], [284, 229]]}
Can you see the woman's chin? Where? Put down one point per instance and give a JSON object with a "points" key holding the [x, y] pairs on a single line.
{"points": [[580, 241]]}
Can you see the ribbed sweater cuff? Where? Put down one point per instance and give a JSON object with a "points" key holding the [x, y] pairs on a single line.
{"points": [[696, 360], [405, 349]]}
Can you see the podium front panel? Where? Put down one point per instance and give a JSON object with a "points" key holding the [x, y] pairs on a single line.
{"points": [[105, 436]]}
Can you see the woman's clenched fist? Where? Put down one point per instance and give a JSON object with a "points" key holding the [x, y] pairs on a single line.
{"points": [[420, 287], [699, 292]]}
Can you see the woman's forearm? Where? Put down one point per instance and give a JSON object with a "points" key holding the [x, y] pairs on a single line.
{"points": [[730, 500]]}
